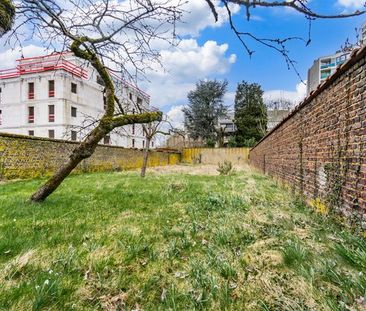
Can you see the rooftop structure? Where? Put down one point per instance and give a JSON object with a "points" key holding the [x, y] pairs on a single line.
{"points": [[58, 96]]}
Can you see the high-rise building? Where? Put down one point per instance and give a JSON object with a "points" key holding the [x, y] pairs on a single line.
{"points": [[325, 66], [59, 96], [363, 34]]}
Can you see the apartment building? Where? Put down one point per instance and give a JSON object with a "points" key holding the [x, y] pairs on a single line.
{"points": [[324, 67], [362, 34], [59, 96]]}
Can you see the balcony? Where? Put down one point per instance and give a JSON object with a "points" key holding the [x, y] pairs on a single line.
{"points": [[324, 76], [327, 65]]}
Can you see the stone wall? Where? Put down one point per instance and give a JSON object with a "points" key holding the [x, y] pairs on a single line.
{"points": [[28, 157], [320, 148], [215, 155]]}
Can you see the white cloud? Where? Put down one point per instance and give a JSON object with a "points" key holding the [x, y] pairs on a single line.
{"points": [[190, 59], [184, 66], [176, 116], [198, 16], [294, 96], [8, 57], [356, 4]]}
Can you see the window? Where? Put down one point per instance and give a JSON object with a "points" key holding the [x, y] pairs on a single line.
{"points": [[51, 113], [74, 88], [1, 117], [1, 96], [143, 144], [133, 129], [152, 144], [130, 96], [139, 101], [30, 114], [51, 133], [107, 140], [73, 135], [133, 111], [133, 143], [31, 90], [31, 133], [73, 111], [51, 88]]}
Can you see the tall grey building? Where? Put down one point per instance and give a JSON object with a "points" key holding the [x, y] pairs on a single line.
{"points": [[325, 66]]}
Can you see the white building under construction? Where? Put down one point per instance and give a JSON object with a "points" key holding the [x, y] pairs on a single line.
{"points": [[59, 96]]}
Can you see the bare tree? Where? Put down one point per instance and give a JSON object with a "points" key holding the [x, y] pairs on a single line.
{"points": [[279, 103], [277, 44], [111, 36]]}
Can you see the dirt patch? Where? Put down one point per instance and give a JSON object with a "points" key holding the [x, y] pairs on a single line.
{"points": [[208, 169]]}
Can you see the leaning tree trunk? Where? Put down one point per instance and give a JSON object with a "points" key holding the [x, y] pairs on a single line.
{"points": [[108, 122], [83, 151], [146, 157]]}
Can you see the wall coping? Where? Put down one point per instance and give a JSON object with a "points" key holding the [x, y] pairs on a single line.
{"points": [[63, 141], [356, 56]]}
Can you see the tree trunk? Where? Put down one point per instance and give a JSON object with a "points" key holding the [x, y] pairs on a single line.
{"points": [[146, 157], [82, 151]]}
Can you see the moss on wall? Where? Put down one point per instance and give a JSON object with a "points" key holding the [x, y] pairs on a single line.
{"points": [[28, 157]]}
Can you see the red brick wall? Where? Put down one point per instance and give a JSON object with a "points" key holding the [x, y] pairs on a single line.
{"points": [[320, 149]]}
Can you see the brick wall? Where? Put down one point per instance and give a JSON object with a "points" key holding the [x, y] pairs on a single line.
{"points": [[27, 157], [320, 148]]}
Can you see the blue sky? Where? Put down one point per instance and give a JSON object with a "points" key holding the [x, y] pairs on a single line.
{"points": [[267, 67], [210, 50]]}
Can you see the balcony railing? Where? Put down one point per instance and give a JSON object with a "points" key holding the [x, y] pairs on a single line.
{"points": [[51, 93], [51, 118], [31, 95], [43, 64], [324, 76], [31, 118], [327, 65]]}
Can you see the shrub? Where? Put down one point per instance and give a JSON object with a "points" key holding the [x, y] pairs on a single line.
{"points": [[225, 168]]}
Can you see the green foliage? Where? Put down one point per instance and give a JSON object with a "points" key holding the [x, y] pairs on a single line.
{"points": [[250, 114], [7, 15], [225, 168], [210, 143], [205, 107], [232, 142], [250, 142], [294, 254]]}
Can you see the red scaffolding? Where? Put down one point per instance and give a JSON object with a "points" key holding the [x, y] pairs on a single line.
{"points": [[40, 64]]}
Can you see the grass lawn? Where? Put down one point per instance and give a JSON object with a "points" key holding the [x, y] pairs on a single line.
{"points": [[115, 241]]}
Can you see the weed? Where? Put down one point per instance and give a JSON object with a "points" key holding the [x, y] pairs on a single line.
{"points": [[225, 168], [295, 254]]}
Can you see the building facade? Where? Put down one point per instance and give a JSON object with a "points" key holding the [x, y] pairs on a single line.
{"points": [[362, 34], [59, 96], [325, 66]]}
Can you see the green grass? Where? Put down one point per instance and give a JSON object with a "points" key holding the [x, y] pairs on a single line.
{"points": [[174, 242]]}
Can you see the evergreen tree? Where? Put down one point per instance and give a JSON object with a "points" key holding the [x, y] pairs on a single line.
{"points": [[205, 107], [250, 114]]}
